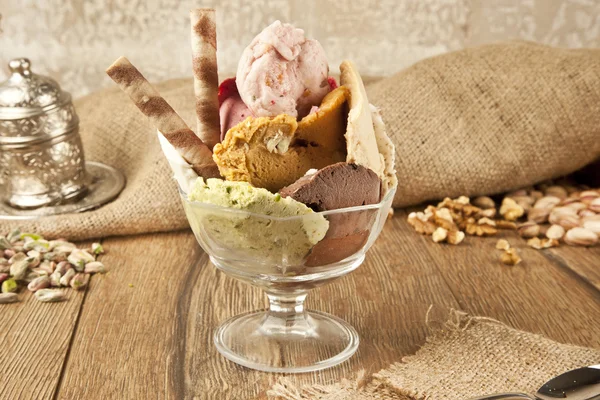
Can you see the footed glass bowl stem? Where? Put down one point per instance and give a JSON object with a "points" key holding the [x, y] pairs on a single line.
{"points": [[286, 337]]}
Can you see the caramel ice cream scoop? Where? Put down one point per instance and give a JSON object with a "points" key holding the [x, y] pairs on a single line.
{"points": [[275, 152]]}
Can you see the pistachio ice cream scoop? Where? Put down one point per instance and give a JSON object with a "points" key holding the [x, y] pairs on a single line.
{"points": [[264, 228]]}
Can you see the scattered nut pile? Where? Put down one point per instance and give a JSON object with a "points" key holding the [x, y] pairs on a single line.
{"points": [[28, 259], [545, 215]]}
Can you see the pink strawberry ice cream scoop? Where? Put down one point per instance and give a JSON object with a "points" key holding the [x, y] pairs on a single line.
{"points": [[232, 109], [282, 72]]}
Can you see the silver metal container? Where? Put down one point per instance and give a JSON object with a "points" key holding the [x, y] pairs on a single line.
{"points": [[41, 156], [42, 165]]}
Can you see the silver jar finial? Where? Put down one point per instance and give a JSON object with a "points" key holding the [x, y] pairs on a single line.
{"points": [[20, 66], [41, 156]]}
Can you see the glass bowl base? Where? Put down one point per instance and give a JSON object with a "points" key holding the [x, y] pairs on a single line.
{"points": [[304, 342]]}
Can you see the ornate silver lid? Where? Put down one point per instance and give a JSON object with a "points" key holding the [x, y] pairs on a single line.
{"points": [[32, 107]]}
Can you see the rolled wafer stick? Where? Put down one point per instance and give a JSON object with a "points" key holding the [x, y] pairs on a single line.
{"points": [[206, 78], [163, 117]]}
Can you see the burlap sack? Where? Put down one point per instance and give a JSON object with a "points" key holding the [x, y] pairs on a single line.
{"points": [[490, 119], [476, 121], [463, 358]]}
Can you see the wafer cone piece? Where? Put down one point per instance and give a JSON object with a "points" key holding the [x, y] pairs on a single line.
{"points": [[206, 78], [360, 134], [163, 117]]}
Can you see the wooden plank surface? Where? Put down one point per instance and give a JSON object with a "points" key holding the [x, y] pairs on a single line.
{"points": [[132, 329], [35, 341], [154, 340], [583, 261]]}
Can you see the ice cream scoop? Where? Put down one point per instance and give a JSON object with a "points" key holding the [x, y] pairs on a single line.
{"points": [[232, 112], [258, 229], [274, 152], [337, 186], [232, 109], [282, 72]]}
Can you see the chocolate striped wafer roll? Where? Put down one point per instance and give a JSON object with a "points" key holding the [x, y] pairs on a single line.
{"points": [[163, 117], [206, 79]]}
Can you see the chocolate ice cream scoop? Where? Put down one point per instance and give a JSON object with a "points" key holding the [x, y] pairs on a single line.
{"points": [[337, 186]]}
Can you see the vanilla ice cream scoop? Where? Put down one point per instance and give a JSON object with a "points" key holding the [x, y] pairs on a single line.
{"points": [[282, 72]]}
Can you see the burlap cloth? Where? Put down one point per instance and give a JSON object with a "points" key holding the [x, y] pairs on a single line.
{"points": [[477, 121], [463, 358]]}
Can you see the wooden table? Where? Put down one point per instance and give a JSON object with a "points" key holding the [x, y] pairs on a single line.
{"points": [[144, 330]]}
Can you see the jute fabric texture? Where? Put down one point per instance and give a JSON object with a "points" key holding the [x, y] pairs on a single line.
{"points": [[462, 358]]}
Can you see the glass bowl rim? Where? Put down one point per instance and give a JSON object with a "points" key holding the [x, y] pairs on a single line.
{"points": [[208, 206]]}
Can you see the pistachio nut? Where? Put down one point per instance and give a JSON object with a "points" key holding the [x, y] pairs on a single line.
{"points": [[586, 213], [14, 236], [547, 202], [6, 298], [576, 206], [4, 243], [47, 266], [97, 248], [17, 257], [595, 217], [484, 202], [65, 246], [50, 295], [98, 267], [33, 253], [594, 205], [62, 267], [55, 279], [557, 191], [66, 278], [528, 229], [79, 281], [40, 271], [580, 237], [555, 232], [19, 269], [564, 217], [34, 261], [539, 215], [63, 249], [588, 196], [593, 226], [79, 258], [41, 282], [524, 199], [31, 276], [9, 286]]}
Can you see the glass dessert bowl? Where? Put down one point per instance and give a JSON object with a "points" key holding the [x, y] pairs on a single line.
{"points": [[286, 257]]}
